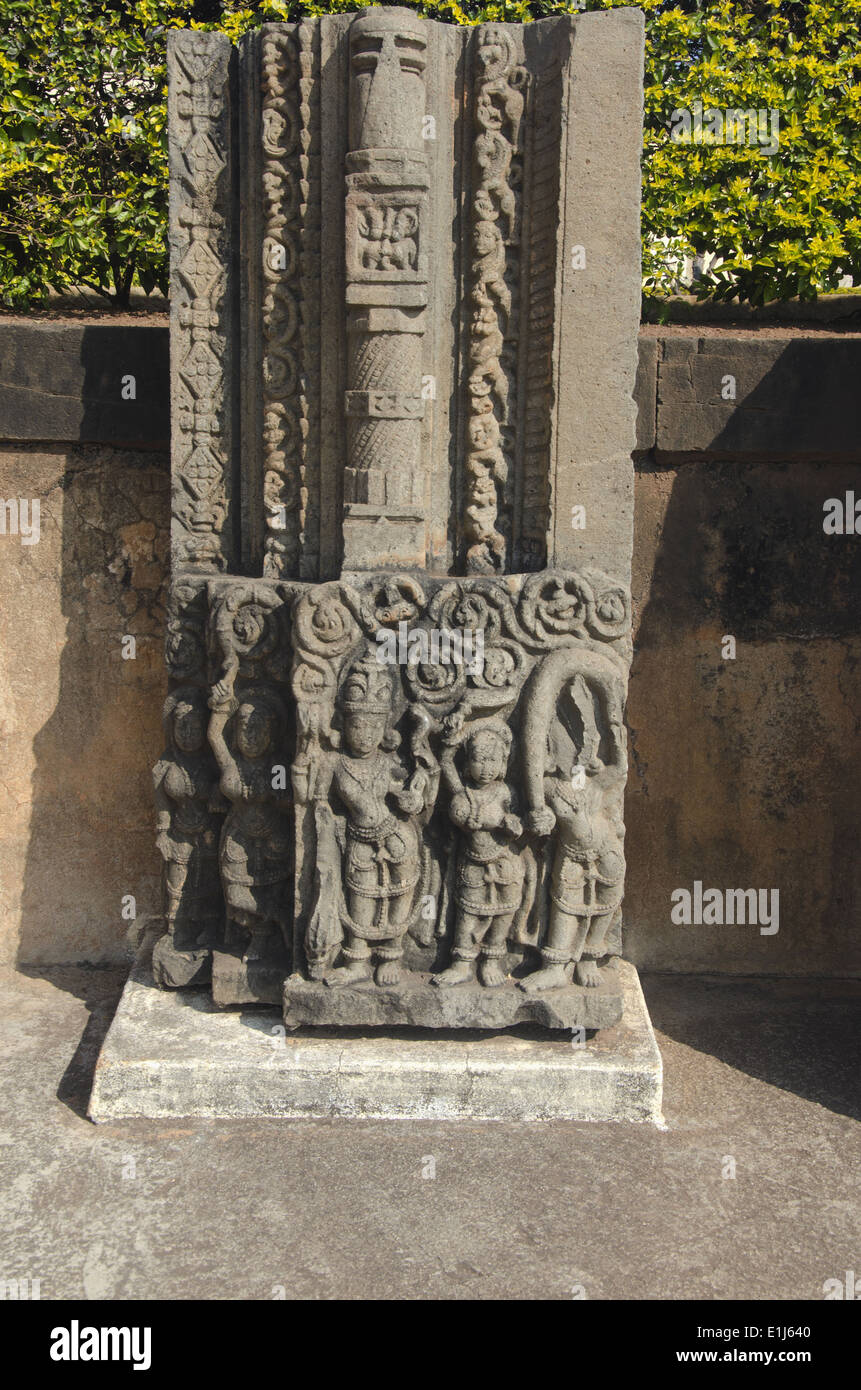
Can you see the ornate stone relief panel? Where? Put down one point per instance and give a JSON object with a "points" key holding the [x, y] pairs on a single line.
{"points": [[394, 765]]}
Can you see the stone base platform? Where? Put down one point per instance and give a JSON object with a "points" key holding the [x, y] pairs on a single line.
{"points": [[420, 1003], [170, 1054]]}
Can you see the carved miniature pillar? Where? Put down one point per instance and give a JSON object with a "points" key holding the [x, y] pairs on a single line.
{"points": [[386, 292]]}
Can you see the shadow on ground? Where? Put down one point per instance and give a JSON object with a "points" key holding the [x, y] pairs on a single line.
{"points": [[803, 1036], [99, 988]]}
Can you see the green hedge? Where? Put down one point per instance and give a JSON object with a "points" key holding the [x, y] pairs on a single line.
{"points": [[83, 150]]}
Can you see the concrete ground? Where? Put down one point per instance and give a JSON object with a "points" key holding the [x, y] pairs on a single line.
{"points": [[762, 1078]]}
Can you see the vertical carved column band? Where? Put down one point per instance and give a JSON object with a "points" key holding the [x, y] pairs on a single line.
{"points": [[282, 440], [492, 309], [202, 328], [387, 291]]}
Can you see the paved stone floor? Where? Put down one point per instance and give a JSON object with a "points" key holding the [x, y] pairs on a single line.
{"points": [[765, 1075]]}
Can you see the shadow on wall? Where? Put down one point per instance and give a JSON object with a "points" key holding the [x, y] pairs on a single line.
{"points": [[745, 771], [99, 596]]}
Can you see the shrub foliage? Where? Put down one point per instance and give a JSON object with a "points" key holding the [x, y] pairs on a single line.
{"points": [[83, 142]]}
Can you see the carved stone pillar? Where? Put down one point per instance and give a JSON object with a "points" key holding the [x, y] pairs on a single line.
{"points": [[387, 254], [406, 290]]}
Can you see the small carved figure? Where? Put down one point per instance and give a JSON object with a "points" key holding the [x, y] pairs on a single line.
{"points": [[489, 266], [588, 868], [490, 872], [185, 784], [493, 158], [255, 841], [487, 545], [382, 858], [485, 450], [501, 77], [485, 348]]}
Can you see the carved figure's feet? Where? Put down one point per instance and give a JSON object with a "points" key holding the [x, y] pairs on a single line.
{"points": [[588, 974], [491, 973], [552, 976], [389, 972], [458, 974], [255, 949], [350, 974]]}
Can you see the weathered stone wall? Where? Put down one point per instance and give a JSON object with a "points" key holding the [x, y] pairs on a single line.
{"points": [[746, 772], [80, 724], [743, 773]]}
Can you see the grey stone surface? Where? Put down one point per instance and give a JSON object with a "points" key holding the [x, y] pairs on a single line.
{"points": [[646, 392], [767, 1072], [836, 309], [173, 968], [439, 333], [410, 853], [598, 304], [89, 382], [170, 1054], [792, 398]]}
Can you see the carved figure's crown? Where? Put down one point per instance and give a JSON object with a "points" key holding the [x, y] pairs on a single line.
{"points": [[367, 688]]}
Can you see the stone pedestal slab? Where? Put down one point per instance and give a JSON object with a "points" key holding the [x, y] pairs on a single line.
{"points": [[468, 1005], [173, 1054]]}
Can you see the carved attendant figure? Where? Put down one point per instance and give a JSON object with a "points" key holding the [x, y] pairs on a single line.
{"points": [[381, 854], [490, 874], [588, 870], [255, 841], [184, 784]]}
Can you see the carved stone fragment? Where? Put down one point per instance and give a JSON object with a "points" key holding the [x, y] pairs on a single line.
{"points": [[392, 787], [188, 829], [442, 858]]}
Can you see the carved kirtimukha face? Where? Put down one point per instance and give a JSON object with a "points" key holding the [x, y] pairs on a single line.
{"points": [[253, 731], [485, 761], [364, 732], [189, 729]]}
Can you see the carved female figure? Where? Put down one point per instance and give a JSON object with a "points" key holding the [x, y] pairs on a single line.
{"points": [[255, 843], [184, 783], [588, 868], [490, 872], [381, 852]]}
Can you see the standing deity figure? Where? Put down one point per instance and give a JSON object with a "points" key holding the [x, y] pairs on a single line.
{"points": [[185, 785], [582, 804], [381, 849], [255, 850], [490, 871]]}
